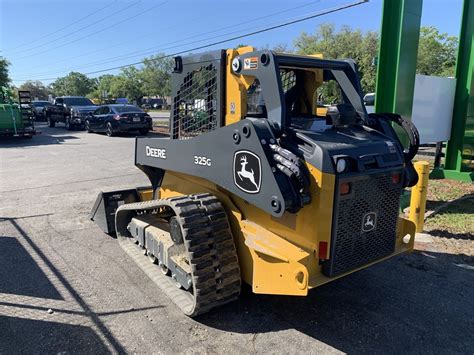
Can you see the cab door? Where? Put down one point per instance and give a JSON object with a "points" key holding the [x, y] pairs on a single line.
{"points": [[94, 119], [104, 117]]}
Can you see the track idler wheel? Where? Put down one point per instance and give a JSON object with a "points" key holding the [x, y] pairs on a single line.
{"points": [[175, 230]]}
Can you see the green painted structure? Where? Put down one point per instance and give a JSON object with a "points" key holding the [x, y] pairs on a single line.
{"points": [[396, 64], [398, 52], [459, 163], [397, 58], [396, 73]]}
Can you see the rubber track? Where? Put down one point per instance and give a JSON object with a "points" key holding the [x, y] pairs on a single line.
{"points": [[210, 245]]}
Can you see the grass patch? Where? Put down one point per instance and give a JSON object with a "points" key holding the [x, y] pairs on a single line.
{"points": [[158, 122], [157, 110], [447, 190], [457, 219]]}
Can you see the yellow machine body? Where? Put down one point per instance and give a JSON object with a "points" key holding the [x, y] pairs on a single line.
{"points": [[278, 255], [281, 255]]}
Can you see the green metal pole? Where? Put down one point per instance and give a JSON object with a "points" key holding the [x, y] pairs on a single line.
{"points": [[460, 148], [397, 56], [396, 65]]}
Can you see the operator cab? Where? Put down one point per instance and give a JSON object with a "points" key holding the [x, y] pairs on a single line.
{"points": [[323, 111], [314, 99]]}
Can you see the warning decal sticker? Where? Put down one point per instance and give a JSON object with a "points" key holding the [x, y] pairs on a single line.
{"points": [[251, 63]]}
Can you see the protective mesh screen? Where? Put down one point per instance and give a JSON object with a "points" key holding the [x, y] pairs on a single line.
{"points": [[288, 79], [195, 110], [352, 247]]}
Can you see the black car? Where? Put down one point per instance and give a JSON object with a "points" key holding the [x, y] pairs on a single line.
{"points": [[153, 103], [70, 110], [37, 107], [113, 119]]}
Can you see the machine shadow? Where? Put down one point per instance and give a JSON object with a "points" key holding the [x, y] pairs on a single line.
{"points": [[417, 301], [457, 204], [457, 236], [49, 138], [20, 274], [151, 134], [43, 336], [94, 317]]}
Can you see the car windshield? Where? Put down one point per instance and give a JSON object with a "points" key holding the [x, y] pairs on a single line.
{"points": [[126, 108], [40, 103], [78, 101]]}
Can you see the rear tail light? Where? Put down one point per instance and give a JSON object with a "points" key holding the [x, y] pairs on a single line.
{"points": [[323, 250], [396, 178], [117, 117], [344, 188]]}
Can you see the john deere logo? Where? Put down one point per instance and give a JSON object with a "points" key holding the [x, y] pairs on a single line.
{"points": [[247, 171], [369, 222]]}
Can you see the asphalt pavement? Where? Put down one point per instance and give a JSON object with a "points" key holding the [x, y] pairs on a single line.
{"points": [[65, 287]]}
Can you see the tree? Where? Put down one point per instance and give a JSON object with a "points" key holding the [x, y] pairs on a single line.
{"points": [[281, 48], [36, 88], [104, 84], [436, 52], [345, 43], [156, 75], [75, 84], [4, 78], [128, 84]]}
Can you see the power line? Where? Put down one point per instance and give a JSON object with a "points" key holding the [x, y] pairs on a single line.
{"points": [[70, 33], [324, 12], [96, 32], [252, 33], [63, 28], [145, 52], [160, 48]]}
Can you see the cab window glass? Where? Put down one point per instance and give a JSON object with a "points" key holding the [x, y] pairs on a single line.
{"points": [[329, 93]]}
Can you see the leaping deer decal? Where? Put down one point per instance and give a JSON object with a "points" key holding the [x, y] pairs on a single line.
{"points": [[369, 222], [245, 173]]}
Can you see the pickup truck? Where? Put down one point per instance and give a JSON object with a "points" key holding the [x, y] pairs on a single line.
{"points": [[70, 110]]}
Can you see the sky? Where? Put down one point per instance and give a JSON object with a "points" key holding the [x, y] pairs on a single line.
{"points": [[46, 39]]}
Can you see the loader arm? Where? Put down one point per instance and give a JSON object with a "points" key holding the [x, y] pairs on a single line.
{"points": [[249, 139]]}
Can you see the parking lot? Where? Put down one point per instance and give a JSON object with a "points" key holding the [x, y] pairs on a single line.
{"points": [[67, 287]]}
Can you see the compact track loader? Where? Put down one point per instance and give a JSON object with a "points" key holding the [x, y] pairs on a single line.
{"points": [[263, 181]]}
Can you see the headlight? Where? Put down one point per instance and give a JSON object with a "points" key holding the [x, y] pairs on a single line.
{"points": [[341, 165]]}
